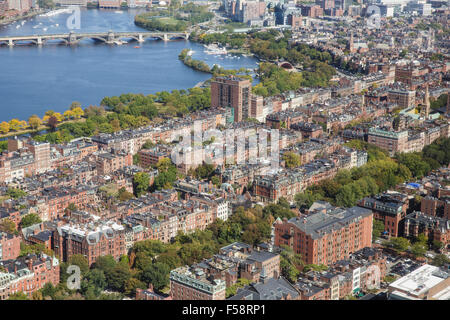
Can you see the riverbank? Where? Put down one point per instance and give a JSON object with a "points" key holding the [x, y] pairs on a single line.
{"points": [[41, 128], [198, 65], [22, 17]]}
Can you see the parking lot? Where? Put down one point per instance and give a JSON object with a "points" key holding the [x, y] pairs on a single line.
{"points": [[401, 266]]}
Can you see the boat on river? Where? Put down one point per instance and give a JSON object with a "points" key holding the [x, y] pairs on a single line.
{"points": [[215, 49]]}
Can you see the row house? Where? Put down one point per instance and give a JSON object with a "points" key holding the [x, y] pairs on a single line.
{"points": [[389, 208], [57, 200], [9, 246], [270, 188], [435, 228], [433, 206], [109, 162], [27, 274]]}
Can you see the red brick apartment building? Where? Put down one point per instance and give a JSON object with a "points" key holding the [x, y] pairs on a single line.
{"points": [[388, 140], [327, 234], [232, 92]]}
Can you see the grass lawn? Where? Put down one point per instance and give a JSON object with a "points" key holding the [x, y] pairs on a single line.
{"points": [[111, 189]]}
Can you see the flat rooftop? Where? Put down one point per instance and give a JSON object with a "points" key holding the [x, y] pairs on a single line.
{"points": [[421, 281]]}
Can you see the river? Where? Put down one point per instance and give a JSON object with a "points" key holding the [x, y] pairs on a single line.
{"points": [[35, 79]]}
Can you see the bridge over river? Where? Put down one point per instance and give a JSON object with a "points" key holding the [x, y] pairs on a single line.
{"points": [[109, 37]]}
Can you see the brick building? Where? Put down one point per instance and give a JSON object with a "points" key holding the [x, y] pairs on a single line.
{"points": [[111, 161], [27, 274], [388, 140], [435, 228], [92, 240], [9, 246], [232, 92], [327, 234], [389, 209]]}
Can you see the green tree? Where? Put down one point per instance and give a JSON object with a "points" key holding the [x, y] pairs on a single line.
{"points": [[418, 249], [131, 285], [240, 283], [80, 261], [105, 263], [30, 219], [141, 182], [118, 277], [16, 193], [291, 159], [156, 274], [398, 244], [440, 260], [377, 229], [96, 278], [290, 263]]}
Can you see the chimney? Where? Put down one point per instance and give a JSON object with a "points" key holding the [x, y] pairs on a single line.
{"points": [[30, 264]]}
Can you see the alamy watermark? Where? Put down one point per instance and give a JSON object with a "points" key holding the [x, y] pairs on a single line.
{"points": [[374, 19], [74, 20], [74, 280], [230, 146]]}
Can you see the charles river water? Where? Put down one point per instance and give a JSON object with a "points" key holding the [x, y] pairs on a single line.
{"points": [[34, 79]]}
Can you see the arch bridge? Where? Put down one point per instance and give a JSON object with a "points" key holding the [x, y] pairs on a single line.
{"points": [[110, 37]]}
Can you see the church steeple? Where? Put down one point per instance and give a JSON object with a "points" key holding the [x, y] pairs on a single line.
{"points": [[351, 43]]}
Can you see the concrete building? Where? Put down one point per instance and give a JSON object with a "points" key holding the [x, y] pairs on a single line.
{"points": [[425, 283]]}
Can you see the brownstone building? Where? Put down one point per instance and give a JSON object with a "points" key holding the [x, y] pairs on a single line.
{"points": [[91, 240]]}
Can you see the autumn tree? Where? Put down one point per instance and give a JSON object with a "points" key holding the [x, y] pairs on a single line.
{"points": [[7, 225], [14, 124], [4, 127], [52, 122], [34, 122], [68, 114], [78, 112]]}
